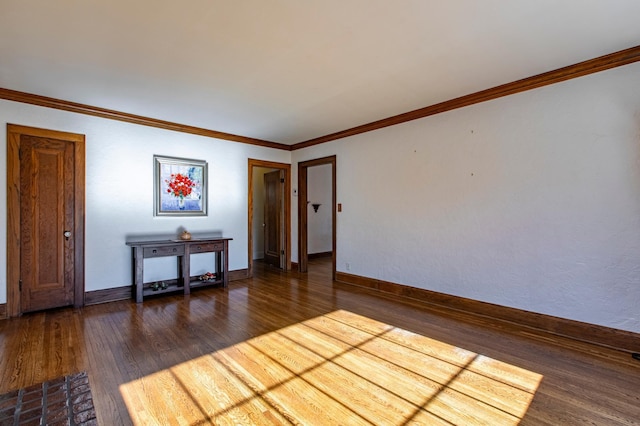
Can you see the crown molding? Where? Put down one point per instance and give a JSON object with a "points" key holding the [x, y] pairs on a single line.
{"points": [[43, 101], [591, 66]]}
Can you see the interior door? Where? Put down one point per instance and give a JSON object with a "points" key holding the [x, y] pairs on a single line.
{"points": [[47, 169], [274, 219]]}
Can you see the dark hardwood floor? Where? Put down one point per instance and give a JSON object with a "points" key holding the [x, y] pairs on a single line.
{"points": [[289, 348]]}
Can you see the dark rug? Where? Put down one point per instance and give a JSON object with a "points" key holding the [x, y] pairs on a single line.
{"points": [[63, 401]]}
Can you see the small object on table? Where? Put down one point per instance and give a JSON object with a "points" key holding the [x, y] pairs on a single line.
{"points": [[186, 235]]}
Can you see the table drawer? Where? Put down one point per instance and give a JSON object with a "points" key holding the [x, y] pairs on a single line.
{"points": [[164, 251], [206, 247]]}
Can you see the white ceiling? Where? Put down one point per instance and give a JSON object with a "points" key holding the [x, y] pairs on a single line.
{"points": [[292, 70]]}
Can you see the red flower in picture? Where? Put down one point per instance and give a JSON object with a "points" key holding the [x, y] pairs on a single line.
{"points": [[180, 185]]}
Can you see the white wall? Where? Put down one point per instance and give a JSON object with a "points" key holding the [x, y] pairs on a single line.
{"points": [[530, 201], [119, 190], [319, 229]]}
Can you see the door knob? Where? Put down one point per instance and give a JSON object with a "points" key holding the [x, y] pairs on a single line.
{"points": [[67, 235]]}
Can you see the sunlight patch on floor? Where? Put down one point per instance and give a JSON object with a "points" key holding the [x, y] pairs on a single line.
{"points": [[339, 368]]}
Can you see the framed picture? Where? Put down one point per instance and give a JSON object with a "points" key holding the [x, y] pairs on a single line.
{"points": [[179, 186]]}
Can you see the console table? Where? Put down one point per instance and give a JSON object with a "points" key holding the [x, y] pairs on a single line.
{"points": [[145, 248]]}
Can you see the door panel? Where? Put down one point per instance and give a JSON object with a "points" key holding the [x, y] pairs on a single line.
{"points": [[46, 213], [274, 218]]}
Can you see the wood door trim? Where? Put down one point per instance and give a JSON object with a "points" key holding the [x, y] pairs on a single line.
{"points": [[287, 209], [13, 211], [303, 256], [591, 66]]}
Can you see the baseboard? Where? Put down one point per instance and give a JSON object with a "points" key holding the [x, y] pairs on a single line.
{"points": [[319, 255], [294, 265], [238, 274], [3, 310], [126, 292], [108, 295], [590, 333]]}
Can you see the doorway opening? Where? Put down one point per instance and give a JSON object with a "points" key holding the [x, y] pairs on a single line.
{"points": [[314, 176], [269, 215]]}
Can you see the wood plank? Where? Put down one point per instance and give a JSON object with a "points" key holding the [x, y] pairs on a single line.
{"points": [[291, 348]]}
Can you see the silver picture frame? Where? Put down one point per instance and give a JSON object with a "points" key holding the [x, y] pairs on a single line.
{"points": [[179, 186]]}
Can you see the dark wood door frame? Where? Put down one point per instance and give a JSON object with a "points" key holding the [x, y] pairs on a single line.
{"points": [[14, 133], [303, 256], [287, 210]]}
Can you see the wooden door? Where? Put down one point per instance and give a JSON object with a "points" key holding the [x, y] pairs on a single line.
{"points": [[46, 222], [255, 179], [274, 218], [45, 198]]}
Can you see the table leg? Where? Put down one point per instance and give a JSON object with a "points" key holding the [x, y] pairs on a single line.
{"points": [[138, 280], [185, 262], [226, 263]]}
